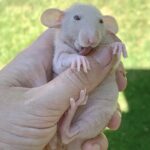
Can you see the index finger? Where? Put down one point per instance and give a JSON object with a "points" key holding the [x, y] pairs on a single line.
{"points": [[32, 67]]}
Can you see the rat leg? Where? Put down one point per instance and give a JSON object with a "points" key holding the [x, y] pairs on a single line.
{"points": [[79, 61], [68, 133]]}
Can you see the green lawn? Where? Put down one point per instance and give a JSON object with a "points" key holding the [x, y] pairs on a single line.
{"points": [[20, 25]]}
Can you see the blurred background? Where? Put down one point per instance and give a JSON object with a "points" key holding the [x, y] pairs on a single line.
{"points": [[20, 25]]}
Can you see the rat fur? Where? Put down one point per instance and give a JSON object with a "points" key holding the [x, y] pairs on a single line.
{"points": [[81, 30]]}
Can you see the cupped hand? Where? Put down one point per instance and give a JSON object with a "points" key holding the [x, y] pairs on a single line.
{"points": [[32, 103]]}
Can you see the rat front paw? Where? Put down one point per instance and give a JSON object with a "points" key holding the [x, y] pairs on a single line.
{"points": [[79, 61], [118, 49]]}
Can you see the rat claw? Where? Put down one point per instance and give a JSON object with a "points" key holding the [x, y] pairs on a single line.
{"points": [[114, 49], [72, 102], [83, 98], [88, 64], [73, 65], [84, 65], [73, 106], [119, 51], [78, 64], [125, 55]]}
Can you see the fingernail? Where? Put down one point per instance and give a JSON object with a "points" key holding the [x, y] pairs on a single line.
{"points": [[96, 147], [119, 113]]}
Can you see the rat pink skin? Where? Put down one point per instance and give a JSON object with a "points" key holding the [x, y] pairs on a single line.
{"points": [[86, 122], [65, 57], [89, 120]]}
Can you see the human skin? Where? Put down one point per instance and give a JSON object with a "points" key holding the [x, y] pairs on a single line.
{"points": [[30, 105]]}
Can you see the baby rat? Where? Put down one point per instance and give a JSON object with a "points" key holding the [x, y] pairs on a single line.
{"points": [[82, 29]]}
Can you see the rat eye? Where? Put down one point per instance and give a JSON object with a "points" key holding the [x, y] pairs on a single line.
{"points": [[101, 21], [76, 17]]}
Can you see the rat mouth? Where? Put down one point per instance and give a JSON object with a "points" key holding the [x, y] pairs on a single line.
{"points": [[85, 50]]}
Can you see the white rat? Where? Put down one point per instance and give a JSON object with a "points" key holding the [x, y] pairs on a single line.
{"points": [[81, 30]]}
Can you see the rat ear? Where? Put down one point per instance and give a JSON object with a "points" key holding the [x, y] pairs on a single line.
{"points": [[52, 18], [111, 24]]}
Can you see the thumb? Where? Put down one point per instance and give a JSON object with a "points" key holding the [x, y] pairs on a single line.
{"points": [[54, 96]]}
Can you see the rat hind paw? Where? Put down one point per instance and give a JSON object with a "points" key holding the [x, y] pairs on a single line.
{"points": [[69, 133]]}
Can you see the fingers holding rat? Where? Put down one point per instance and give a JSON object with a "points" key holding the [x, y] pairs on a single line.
{"points": [[115, 121], [98, 143], [121, 77]]}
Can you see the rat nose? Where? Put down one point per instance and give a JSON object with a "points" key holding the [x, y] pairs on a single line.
{"points": [[88, 38], [92, 40]]}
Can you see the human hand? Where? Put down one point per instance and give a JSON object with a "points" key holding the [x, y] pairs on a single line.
{"points": [[30, 104], [101, 142]]}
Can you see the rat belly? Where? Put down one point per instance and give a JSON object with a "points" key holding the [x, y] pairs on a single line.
{"points": [[92, 118]]}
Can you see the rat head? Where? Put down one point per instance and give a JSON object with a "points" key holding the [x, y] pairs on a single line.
{"points": [[82, 26]]}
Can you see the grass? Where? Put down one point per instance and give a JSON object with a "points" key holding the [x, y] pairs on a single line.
{"points": [[20, 25], [134, 132]]}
